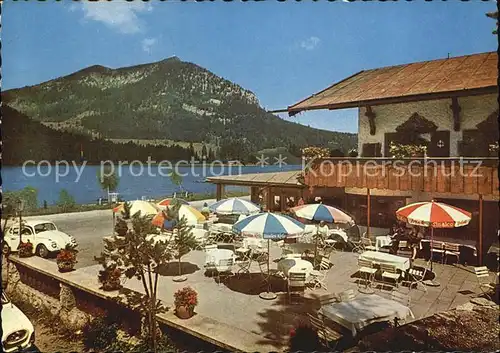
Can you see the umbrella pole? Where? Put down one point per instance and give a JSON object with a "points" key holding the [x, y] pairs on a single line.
{"points": [[268, 295], [432, 283]]}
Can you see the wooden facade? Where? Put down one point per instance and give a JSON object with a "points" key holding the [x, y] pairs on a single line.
{"points": [[447, 175]]}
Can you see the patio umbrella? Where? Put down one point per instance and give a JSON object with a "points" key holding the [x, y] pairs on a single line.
{"points": [[433, 215], [319, 212], [269, 226], [167, 202], [234, 206], [144, 207], [193, 216]]}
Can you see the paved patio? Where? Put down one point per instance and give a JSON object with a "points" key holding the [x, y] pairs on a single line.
{"points": [[233, 314], [236, 303]]}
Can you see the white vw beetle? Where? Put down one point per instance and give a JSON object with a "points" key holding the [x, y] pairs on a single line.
{"points": [[44, 236], [18, 333]]}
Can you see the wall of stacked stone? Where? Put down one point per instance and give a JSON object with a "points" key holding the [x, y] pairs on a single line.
{"points": [[73, 306]]}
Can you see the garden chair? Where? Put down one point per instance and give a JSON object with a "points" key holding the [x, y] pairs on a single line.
{"points": [[224, 269], [416, 276], [296, 285], [318, 277], [366, 269], [329, 298], [244, 263], [437, 247], [451, 249], [326, 335], [347, 295], [368, 245], [404, 299], [483, 279], [390, 272]]}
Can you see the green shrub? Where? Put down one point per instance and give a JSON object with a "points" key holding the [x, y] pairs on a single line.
{"points": [[66, 200], [99, 334]]}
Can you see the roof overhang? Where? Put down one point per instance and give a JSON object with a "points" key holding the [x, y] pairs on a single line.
{"points": [[391, 100]]}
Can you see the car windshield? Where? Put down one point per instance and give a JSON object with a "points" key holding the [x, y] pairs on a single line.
{"points": [[4, 299], [42, 227]]}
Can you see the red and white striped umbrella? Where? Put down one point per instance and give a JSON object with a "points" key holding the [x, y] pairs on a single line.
{"points": [[433, 214]]}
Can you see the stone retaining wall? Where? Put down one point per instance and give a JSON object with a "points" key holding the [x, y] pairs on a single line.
{"points": [[73, 306]]}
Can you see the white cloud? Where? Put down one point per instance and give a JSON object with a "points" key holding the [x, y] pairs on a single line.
{"points": [[310, 43], [147, 44], [118, 15]]}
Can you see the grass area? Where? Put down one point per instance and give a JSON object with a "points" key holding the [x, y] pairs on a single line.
{"points": [[92, 207]]}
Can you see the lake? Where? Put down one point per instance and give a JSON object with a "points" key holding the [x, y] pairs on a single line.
{"points": [[135, 182]]}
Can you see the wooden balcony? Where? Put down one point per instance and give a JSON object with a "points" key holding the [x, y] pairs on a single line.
{"points": [[465, 176]]}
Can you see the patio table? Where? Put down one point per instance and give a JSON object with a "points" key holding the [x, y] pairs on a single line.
{"points": [[213, 256], [381, 241], [222, 227], [365, 309], [295, 265], [401, 263]]}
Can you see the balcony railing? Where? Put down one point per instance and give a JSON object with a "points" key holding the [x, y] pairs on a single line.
{"points": [[442, 175]]}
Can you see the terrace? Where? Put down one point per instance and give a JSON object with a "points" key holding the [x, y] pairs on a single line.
{"points": [[231, 314]]}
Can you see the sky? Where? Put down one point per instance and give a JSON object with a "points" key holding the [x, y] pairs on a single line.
{"points": [[281, 51]]}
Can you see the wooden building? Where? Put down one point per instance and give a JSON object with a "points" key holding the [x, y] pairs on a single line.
{"points": [[450, 106]]}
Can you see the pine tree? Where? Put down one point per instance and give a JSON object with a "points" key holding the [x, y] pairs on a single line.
{"points": [[184, 239], [204, 151]]}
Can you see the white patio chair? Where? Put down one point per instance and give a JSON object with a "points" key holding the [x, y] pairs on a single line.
{"points": [[366, 269], [437, 247], [404, 299], [417, 277], [244, 263], [347, 295], [451, 249], [329, 298], [390, 272], [483, 280], [325, 334], [296, 285], [224, 269], [318, 277], [368, 245]]}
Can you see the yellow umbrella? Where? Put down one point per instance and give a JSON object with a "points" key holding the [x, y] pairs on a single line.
{"points": [[145, 208]]}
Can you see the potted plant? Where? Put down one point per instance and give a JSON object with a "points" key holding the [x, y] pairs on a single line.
{"points": [[110, 277], [66, 259], [185, 300], [25, 249]]}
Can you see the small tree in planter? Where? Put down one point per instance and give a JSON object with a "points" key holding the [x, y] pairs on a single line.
{"points": [[184, 240], [126, 210], [25, 249], [185, 300], [66, 259], [140, 255]]}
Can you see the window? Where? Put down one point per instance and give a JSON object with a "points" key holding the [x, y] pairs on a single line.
{"points": [[43, 227]]}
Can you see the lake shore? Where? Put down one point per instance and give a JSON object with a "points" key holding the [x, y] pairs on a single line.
{"points": [[195, 200]]}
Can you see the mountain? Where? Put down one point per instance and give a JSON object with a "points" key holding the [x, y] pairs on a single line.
{"points": [[170, 99], [24, 139]]}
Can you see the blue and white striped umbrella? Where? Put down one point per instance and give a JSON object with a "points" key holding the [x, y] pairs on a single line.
{"points": [[234, 206], [319, 212], [269, 226]]}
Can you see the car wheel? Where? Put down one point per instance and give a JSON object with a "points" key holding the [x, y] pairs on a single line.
{"points": [[42, 251], [5, 249]]}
